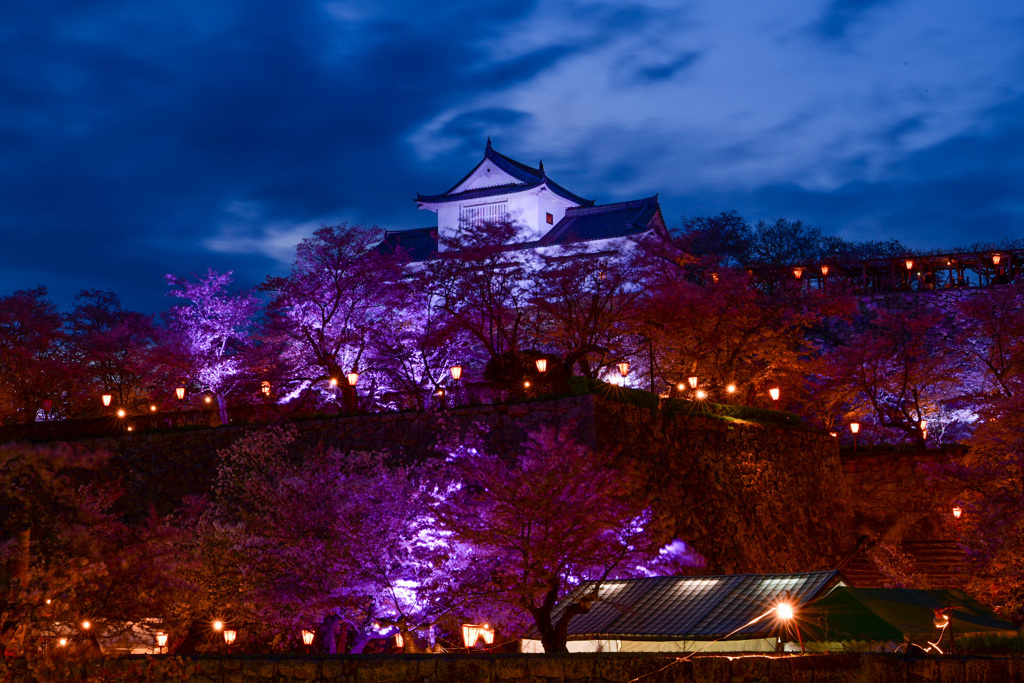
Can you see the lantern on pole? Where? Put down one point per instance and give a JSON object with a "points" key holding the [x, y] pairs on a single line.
{"points": [[824, 271], [456, 371], [542, 365], [229, 637], [180, 393], [399, 641], [265, 387], [854, 429], [798, 273], [161, 641], [352, 377], [692, 381], [957, 511], [106, 398], [623, 368], [909, 263], [774, 393], [307, 639], [996, 258]]}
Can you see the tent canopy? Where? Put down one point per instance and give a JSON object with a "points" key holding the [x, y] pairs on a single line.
{"points": [[893, 614]]}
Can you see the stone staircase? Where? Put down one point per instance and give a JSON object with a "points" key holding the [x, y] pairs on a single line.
{"points": [[932, 564]]}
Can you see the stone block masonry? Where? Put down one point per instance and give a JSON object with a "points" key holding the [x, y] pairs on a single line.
{"points": [[603, 668], [749, 497]]}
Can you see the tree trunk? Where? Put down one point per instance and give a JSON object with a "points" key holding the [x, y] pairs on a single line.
{"points": [[222, 407], [23, 558]]}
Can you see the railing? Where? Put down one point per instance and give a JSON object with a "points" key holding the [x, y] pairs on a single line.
{"points": [[911, 273]]}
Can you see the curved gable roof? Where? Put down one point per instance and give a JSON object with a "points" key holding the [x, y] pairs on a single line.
{"points": [[528, 176]]}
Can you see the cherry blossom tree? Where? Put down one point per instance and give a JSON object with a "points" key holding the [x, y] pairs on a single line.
{"points": [[116, 350], [32, 364], [546, 518], [302, 537], [343, 294], [211, 333], [487, 289], [902, 364]]}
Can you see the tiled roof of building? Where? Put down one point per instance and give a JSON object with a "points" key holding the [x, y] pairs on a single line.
{"points": [[528, 176], [691, 607], [419, 244], [585, 223]]}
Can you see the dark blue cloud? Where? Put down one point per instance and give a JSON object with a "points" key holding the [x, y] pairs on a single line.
{"points": [[842, 14]]}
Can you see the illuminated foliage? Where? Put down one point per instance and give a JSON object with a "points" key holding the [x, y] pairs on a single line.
{"points": [[545, 518]]}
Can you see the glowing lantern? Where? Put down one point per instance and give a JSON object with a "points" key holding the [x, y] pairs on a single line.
{"points": [[834, 435], [456, 372], [957, 511], [774, 393], [307, 637], [714, 277], [180, 393], [784, 610], [265, 387], [692, 381], [120, 412], [701, 395], [542, 364], [996, 258], [824, 271], [352, 378], [731, 388], [161, 640], [399, 640], [924, 425], [623, 368], [798, 273], [471, 633], [334, 382], [854, 427], [909, 264], [230, 635], [106, 398]]}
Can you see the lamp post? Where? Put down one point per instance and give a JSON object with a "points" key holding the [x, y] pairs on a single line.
{"points": [[692, 381], [229, 637], [542, 365], [774, 393], [623, 369], [957, 511], [106, 398], [456, 371], [161, 641], [854, 429], [307, 639], [352, 378]]}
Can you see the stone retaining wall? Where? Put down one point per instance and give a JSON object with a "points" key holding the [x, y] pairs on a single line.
{"points": [[892, 498], [748, 497], [607, 668]]}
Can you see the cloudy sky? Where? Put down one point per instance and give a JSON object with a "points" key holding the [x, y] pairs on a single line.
{"points": [[140, 138]]}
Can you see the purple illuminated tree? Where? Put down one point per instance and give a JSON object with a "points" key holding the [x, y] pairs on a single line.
{"points": [[546, 518], [211, 334], [299, 539], [342, 295]]}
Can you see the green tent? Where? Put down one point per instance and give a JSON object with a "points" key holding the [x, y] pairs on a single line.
{"points": [[896, 615]]}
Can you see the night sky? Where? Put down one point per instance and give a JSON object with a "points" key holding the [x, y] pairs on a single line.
{"points": [[143, 138]]}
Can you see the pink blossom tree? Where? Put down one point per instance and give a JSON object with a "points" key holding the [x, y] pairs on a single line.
{"points": [[546, 518], [211, 334]]}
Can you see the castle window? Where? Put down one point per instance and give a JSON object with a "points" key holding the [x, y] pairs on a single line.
{"points": [[481, 214], [550, 219]]}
